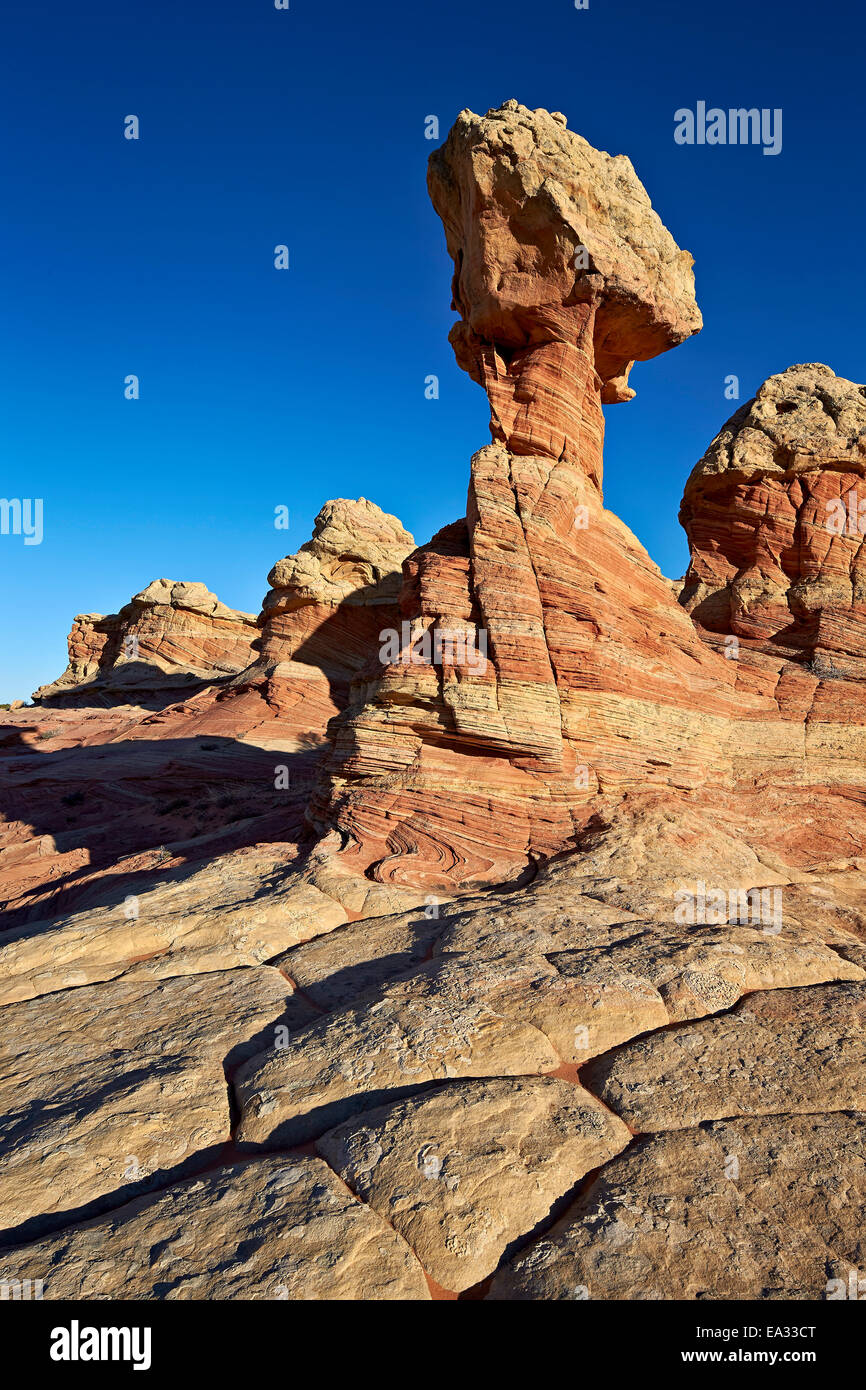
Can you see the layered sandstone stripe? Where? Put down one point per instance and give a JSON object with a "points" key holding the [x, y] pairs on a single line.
{"points": [[169, 636]]}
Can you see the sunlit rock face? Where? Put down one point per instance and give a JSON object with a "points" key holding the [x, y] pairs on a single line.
{"points": [[456, 712], [572, 668], [328, 602], [573, 676], [170, 636], [564, 276], [485, 915], [182, 727], [775, 512]]}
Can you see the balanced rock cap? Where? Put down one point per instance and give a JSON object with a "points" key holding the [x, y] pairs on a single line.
{"points": [[520, 195]]}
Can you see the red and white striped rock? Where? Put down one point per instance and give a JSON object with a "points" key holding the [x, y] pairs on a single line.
{"points": [[170, 636]]}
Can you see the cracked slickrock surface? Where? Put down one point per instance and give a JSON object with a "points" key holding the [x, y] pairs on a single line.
{"points": [[224, 915], [798, 1050], [472, 1015], [742, 1209], [464, 1171], [282, 1228], [103, 1087], [463, 1074], [546, 969]]}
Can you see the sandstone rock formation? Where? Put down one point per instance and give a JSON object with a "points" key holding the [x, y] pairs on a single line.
{"points": [[567, 672], [775, 513], [564, 276], [327, 603], [487, 917], [216, 722], [169, 637], [742, 1209], [463, 1172], [322, 617], [312, 1241]]}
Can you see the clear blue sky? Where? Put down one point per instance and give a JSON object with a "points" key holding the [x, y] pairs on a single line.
{"points": [[306, 127]]}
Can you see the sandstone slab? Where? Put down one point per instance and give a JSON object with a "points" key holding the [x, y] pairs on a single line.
{"points": [[105, 1088], [510, 1014], [464, 1171], [237, 911], [758, 1209], [172, 635], [798, 1050], [279, 1229], [441, 1022]]}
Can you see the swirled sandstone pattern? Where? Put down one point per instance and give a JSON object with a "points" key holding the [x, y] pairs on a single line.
{"points": [[487, 917]]}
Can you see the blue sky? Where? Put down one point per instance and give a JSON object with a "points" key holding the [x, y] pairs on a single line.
{"points": [[262, 388]]}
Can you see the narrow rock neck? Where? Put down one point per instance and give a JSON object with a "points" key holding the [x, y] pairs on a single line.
{"points": [[545, 398]]}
